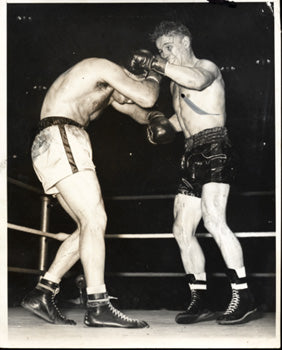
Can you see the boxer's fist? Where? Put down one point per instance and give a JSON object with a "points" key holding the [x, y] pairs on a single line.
{"points": [[158, 64], [140, 61], [143, 61], [159, 130]]}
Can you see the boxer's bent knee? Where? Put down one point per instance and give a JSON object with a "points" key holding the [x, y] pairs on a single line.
{"points": [[183, 235], [94, 225], [211, 222], [217, 227]]}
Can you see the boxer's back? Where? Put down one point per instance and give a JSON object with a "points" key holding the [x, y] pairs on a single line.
{"points": [[79, 93]]}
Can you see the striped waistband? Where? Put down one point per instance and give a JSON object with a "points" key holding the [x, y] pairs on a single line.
{"points": [[49, 121], [205, 136]]}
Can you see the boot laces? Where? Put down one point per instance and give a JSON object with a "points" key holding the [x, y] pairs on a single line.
{"points": [[118, 313], [234, 303], [56, 291], [194, 299]]}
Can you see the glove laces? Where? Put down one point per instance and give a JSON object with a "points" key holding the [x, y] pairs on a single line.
{"points": [[234, 303]]}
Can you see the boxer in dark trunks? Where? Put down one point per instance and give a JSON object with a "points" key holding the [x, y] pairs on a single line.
{"points": [[208, 158], [198, 94]]}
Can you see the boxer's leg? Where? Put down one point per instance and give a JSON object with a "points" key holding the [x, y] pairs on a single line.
{"points": [[214, 200], [81, 192], [80, 196], [187, 214], [68, 253], [41, 301]]}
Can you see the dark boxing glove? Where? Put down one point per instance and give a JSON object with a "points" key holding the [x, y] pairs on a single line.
{"points": [[159, 130], [158, 64], [143, 60]]}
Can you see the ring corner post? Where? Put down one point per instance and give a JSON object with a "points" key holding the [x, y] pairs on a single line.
{"points": [[45, 213]]}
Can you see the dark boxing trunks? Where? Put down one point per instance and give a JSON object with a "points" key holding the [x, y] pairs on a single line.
{"points": [[208, 157]]}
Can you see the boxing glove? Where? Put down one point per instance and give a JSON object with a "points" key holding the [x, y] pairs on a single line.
{"points": [[143, 60], [159, 129]]}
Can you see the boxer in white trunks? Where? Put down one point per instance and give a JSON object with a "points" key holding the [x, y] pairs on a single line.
{"points": [[62, 160]]}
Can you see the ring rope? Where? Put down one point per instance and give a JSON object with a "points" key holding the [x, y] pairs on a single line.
{"points": [[172, 196], [62, 236], [59, 236], [180, 274], [23, 185], [170, 235], [138, 197], [24, 270], [145, 274]]}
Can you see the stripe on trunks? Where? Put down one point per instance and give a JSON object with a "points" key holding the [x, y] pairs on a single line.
{"points": [[68, 148]]}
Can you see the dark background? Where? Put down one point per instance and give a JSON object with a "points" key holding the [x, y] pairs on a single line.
{"points": [[45, 40]]}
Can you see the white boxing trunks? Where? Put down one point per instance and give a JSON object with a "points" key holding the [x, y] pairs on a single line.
{"points": [[59, 151]]}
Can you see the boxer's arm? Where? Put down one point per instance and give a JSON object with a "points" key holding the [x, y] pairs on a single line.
{"points": [[142, 92], [174, 121], [134, 111], [121, 99], [159, 129], [198, 77]]}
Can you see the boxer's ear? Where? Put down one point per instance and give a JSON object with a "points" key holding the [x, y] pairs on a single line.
{"points": [[186, 41]]}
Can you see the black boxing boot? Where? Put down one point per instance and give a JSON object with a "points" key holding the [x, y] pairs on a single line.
{"points": [[41, 302], [197, 310], [101, 313], [241, 308]]}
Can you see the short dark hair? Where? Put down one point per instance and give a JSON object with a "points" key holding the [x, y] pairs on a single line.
{"points": [[170, 27]]}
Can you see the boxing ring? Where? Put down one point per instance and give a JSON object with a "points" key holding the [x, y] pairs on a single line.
{"points": [[43, 233], [29, 331]]}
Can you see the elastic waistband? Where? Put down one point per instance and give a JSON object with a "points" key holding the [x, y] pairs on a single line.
{"points": [[49, 121], [206, 136]]}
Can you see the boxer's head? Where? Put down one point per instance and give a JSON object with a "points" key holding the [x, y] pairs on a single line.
{"points": [[170, 28], [173, 41]]}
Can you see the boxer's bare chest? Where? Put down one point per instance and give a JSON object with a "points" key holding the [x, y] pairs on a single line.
{"points": [[98, 99]]}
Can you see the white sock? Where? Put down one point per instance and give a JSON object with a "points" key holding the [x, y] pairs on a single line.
{"points": [[48, 276], [241, 272], [96, 289], [200, 276]]}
